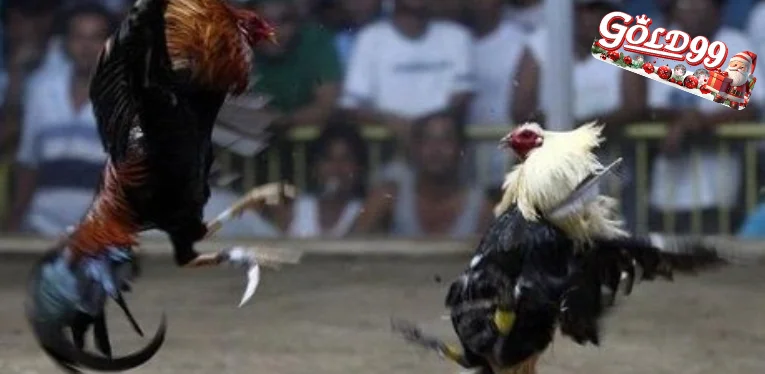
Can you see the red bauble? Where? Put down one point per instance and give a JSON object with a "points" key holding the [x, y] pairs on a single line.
{"points": [[614, 55], [603, 56], [628, 60], [704, 89], [664, 72], [648, 68], [691, 82]]}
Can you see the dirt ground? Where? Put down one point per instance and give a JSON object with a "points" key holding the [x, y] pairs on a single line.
{"points": [[332, 316]]}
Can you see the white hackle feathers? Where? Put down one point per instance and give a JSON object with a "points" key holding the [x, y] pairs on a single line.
{"points": [[551, 173]]}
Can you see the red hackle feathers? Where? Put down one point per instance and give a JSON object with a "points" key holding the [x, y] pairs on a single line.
{"points": [[213, 40], [109, 221]]}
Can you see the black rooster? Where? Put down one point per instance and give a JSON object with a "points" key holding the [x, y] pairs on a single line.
{"points": [[159, 84], [544, 262]]}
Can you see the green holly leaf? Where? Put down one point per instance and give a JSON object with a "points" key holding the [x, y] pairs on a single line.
{"points": [[595, 48]]}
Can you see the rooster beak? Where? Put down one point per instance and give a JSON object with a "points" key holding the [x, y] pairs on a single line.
{"points": [[504, 143]]}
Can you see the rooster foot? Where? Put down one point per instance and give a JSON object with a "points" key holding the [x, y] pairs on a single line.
{"points": [[238, 257]]}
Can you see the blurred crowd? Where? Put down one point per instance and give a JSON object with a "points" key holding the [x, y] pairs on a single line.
{"points": [[426, 69]]}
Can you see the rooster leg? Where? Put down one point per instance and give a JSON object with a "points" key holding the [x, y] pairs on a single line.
{"points": [[257, 198], [187, 257]]}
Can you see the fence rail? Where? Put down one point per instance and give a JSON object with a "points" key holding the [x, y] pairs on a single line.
{"points": [[740, 140], [735, 251]]}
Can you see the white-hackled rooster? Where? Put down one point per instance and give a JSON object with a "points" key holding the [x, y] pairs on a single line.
{"points": [[555, 243]]}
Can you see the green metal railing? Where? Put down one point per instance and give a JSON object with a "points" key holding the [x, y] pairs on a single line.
{"points": [[745, 135], [642, 135]]}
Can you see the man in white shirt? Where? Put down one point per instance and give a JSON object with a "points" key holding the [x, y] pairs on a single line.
{"points": [[683, 181], [407, 67], [61, 156]]}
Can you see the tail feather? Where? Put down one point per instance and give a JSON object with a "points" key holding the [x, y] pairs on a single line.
{"points": [[613, 263], [58, 291], [123, 305], [67, 355], [101, 335]]}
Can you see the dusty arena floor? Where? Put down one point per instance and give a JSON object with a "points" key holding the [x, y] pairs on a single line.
{"points": [[332, 316]]}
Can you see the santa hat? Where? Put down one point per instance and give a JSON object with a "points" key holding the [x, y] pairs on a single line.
{"points": [[747, 57]]}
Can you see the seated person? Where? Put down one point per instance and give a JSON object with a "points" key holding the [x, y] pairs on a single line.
{"points": [[330, 209], [434, 202]]}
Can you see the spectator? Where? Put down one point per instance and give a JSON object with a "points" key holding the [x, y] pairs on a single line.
{"points": [[406, 67], [358, 13], [301, 74], [27, 29], [434, 202], [498, 50], [682, 182], [339, 159], [25, 33], [60, 156], [55, 60]]}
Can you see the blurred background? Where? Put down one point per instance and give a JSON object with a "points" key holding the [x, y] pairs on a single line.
{"points": [[389, 112]]}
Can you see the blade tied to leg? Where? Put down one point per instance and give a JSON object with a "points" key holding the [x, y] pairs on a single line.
{"points": [[242, 257]]}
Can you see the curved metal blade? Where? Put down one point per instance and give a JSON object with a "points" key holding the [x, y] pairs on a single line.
{"points": [[253, 279]]}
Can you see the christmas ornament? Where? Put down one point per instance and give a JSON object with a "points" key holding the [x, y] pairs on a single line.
{"points": [[691, 82], [637, 61], [664, 72], [628, 60], [704, 89], [614, 55], [603, 56], [648, 68]]}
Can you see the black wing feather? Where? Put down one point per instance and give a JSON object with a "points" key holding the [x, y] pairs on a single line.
{"points": [[120, 75]]}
